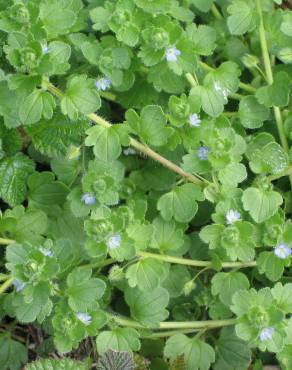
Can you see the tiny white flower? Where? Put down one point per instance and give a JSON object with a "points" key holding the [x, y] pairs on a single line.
{"points": [[84, 318], [282, 251], [19, 285], [232, 216], [46, 252], [195, 120], [203, 153], [114, 241], [88, 199], [129, 151], [103, 83], [266, 334], [172, 53]]}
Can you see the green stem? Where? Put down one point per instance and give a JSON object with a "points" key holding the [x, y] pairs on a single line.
{"points": [[108, 96], [246, 87], [270, 79], [4, 241], [191, 79], [6, 285], [169, 333], [196, 179], [206, 324], [195, 263], [4, 277], [216, 12]]}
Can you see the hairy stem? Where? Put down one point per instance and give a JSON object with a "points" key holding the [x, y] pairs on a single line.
{"points": [[270, 79], [195, 263], [207, 324], [6, 285], [4, 241], [196, 179], [216, 12]]}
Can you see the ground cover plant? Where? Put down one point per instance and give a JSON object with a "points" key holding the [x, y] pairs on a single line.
{"points": [[145, 184]]}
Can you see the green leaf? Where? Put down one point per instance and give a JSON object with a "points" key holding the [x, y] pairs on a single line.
{"points": [[56, 17], [203, 5], [157, 6], [232, 174], [226, 284], [24, 225], [56, 61], [39, 103], [54, 137], [14, 172], [166, 235], [29, 307], [83, 290], [212, 101], [150, 126], [286, 25], [177, 278], [242, 17], [146, 274], [148, 307], [270, 158], [80, 97], [44, 191], [276, 94], [197, 354], [12, 354], [60, 364], [203, 38], [118, 339], [261, 204], [283, 297], [271, 265], [180, 203], [231, 352], [106, 142], [100, 17], [252, 114]]}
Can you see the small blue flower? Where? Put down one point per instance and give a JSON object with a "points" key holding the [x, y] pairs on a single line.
{"points": [[88, 199], [203, 153], [46, 252], [266, 334], [45, 49], [19, 285], [172, 53], [232, 216], [103, 83], [84, 318], [282, 251], [195, 120], [114, 241]]}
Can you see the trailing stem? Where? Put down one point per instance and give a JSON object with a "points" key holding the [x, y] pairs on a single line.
{"points": [[4, 241], [270, 79], [196, 179], [207, 324], [6, 285], [194, 263]]}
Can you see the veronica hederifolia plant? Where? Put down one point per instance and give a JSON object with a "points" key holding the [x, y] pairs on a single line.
{"points": [[146, 181]]}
